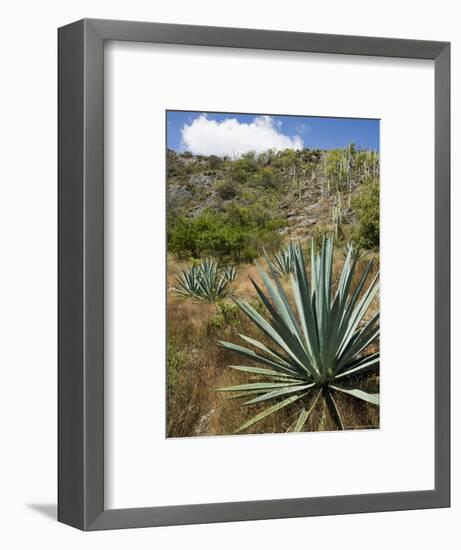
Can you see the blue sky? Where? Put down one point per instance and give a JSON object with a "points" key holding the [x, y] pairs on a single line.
{"points": [[233, 134]]}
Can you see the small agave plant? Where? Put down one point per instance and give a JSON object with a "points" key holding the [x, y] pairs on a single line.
{"points": [[205, 281], [317, 346], [284, 260]]}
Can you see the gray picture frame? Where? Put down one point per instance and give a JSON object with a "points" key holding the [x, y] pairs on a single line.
{"points": [[81, 274]]}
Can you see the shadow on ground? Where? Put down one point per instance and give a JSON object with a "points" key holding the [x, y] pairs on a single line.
{"points": [[48, 510]]}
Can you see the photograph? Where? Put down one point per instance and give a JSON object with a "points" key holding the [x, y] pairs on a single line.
{"points": [[272, 273]]}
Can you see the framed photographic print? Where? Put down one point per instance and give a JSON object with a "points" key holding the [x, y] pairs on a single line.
{"points": [[240, 191], [243, 333]]}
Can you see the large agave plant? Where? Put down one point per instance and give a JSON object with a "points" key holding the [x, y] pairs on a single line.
{"points": [[317, 346], [205, 281]]}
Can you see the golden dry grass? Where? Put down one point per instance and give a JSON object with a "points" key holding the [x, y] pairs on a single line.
{"points": [[197, 366]]}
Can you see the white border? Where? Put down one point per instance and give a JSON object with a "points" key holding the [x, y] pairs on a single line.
{"points": [[145, 469]]}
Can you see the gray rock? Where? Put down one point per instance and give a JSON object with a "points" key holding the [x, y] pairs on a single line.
{"points": [[201, 180], [177, 196]]}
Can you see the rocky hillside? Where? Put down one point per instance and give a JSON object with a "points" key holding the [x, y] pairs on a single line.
{"points": [[293, 194]]}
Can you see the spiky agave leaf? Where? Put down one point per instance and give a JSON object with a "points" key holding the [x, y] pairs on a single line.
{"points": [[284, 260], [317, 345], [230, 272], [356, 250], [187, 283], [213, 282]]}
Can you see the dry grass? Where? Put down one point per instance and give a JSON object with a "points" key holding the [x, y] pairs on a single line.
{"points": [[196, 366]]}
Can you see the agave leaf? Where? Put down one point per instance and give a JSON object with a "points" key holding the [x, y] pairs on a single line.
{"points": [[259, 370], [285, 312], [302, 419], [306, 362], [279, 392], [313, 269], [359, 311], [333, 409], [305, 304], [346, 276], [272, 353], [331, 341], [230, 273], [292, 425], [278, 338], [282, 301], [269, 411], [250, 354], [308, 322], [297, 380], [370, 397], [243, 394], [366, 364], [357, 343], [320, 294], [257, 386], [328, 272], [348, 304], [283, 263]]}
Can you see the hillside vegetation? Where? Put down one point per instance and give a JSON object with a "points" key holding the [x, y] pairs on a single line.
{"points": [[223, 215], [232, 209]]}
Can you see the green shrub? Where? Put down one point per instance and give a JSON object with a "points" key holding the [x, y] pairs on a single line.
{"points": [[176, 360], [227, 190], [215, 162], [367, 210], [238, 234], [183, 408], [267, 178], [227, 314], [243, 168]]}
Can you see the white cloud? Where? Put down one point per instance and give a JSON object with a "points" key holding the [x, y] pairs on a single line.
{"points": [[204, 136]]}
